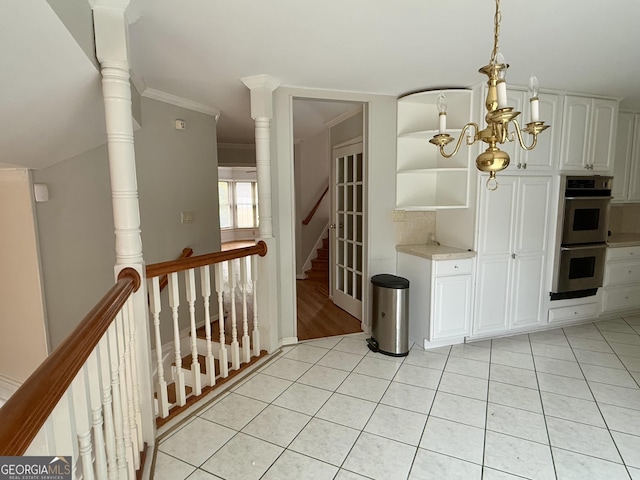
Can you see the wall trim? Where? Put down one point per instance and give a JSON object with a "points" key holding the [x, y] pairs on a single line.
{"points": [[343, 116], [8, 387], [314, 252], [181, 102]]}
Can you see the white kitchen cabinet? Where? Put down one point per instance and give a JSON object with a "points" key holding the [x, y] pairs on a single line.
{"points": [[544, 157], [439, 299], [626, 173], [513, 238], [588, 134], [621, 280], [426, 180]]}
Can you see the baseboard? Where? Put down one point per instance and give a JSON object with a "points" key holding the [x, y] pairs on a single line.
{"points": [[288, 341]]}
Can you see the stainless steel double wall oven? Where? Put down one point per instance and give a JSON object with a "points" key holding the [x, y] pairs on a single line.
{"points": [[584, 220]]}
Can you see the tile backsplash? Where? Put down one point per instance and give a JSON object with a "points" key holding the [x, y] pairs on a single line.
{"points": [[417, 228], [624, 218]]}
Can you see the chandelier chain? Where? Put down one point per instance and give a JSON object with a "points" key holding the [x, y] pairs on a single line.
{"points": [[496, 32]]}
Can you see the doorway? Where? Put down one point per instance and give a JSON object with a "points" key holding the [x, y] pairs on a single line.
{"points": [[329, 193]]}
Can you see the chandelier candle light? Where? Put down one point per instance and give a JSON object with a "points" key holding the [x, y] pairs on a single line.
{"points": [[498, 117]]}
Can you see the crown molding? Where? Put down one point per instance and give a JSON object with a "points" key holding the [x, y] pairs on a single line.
{"points": [[343, 116], [181, 102], [261, 81]]}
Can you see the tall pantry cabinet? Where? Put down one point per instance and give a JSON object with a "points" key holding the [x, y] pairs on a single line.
{"points": [[513, 243]]}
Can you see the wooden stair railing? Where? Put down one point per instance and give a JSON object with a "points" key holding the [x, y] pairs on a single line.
{"points": [[234, 272], [315, 208], [186, 253], [27, 410]]}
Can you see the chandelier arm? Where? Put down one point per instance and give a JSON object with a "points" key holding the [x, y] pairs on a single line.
{"points": [[459, 142], [521, 141]]}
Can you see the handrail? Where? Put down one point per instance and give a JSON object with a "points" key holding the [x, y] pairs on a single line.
{"points": [[186, 253], [172, 266], [315, 207], [26, 411]]}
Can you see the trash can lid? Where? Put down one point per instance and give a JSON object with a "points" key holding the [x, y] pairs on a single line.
{"points": [[389, 281]]}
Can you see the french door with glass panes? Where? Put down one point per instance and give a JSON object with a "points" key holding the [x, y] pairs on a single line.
{"points": [[347, 228]]}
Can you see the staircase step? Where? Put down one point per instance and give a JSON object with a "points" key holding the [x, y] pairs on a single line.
{"points": [[323, 253]]}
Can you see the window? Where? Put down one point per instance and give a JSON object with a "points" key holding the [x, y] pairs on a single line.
{"points": [[238, 204]]}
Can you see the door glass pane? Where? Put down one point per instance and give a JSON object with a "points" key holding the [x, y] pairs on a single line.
{"points": [[359, 228], [359, 198], [350, 198], [348, 227], [340, 279], [340, 199], [340, 259], [350, 168], [349, 259], [358, 265], [359, 167], [340, 169], [348, 283], [358, 292]]}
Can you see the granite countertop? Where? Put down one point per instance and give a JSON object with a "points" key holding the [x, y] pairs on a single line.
{"points": [[624, 240], [436, 252]]}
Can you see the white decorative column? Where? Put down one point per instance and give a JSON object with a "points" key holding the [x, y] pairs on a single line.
{"points": [[262, 87], [110, 27]]}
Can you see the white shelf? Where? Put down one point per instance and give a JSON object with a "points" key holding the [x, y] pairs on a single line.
{"points": [[426, 180]]}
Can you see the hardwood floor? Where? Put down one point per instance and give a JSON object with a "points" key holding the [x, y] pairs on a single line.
{"points": [[318, 317]]}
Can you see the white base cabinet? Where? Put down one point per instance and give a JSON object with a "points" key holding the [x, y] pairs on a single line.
{"points": [[621, 289], [513, 237], [439, 299]]}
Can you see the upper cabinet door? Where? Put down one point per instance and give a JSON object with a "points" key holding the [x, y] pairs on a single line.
{"points": [[623, 152], [603, 134], [576, 122], [634, 173], [544, 157]]}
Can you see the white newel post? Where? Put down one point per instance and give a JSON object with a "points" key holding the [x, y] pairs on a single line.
{"points": [[262, 87], [110, 26]]}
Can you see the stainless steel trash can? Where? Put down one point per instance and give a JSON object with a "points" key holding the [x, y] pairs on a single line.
{"points": [[390, 315]]}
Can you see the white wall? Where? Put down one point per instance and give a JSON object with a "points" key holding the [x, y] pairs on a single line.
{"points": [[176, 170], [314, 165], [380, 149], [23, 336]]}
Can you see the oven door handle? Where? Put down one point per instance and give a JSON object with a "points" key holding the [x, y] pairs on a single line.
{"points": [[584, 247], [588, 198]]}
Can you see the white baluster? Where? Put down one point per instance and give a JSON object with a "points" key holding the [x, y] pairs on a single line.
{"points": [[235, 347], [63, 427], [134, 380], [244, 283], [95, 396], [256, 332], [190, 282], [124, 395], [126, 315], [155, 308], [107, 408], [121, 459], [83, 430], [222, 353], [205, 285], [174, 303]]}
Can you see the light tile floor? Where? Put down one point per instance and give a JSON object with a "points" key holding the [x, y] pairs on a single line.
{"points": [[559, 404]]}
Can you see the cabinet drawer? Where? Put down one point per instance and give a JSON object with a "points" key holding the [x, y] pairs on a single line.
{"points": [[454, 267], [573, 312], [621, 298], [626, 253], [622, 273]]}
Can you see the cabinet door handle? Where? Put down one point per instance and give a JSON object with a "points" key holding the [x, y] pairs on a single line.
{"points": [[513, 255], [524, 165], [519, 166]]}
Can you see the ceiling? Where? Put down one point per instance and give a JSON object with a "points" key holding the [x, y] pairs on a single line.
{"points": [[201, 49], [198, 50]]}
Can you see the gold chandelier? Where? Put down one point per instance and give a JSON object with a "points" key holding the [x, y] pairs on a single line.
{"points": [[498, 117]]}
